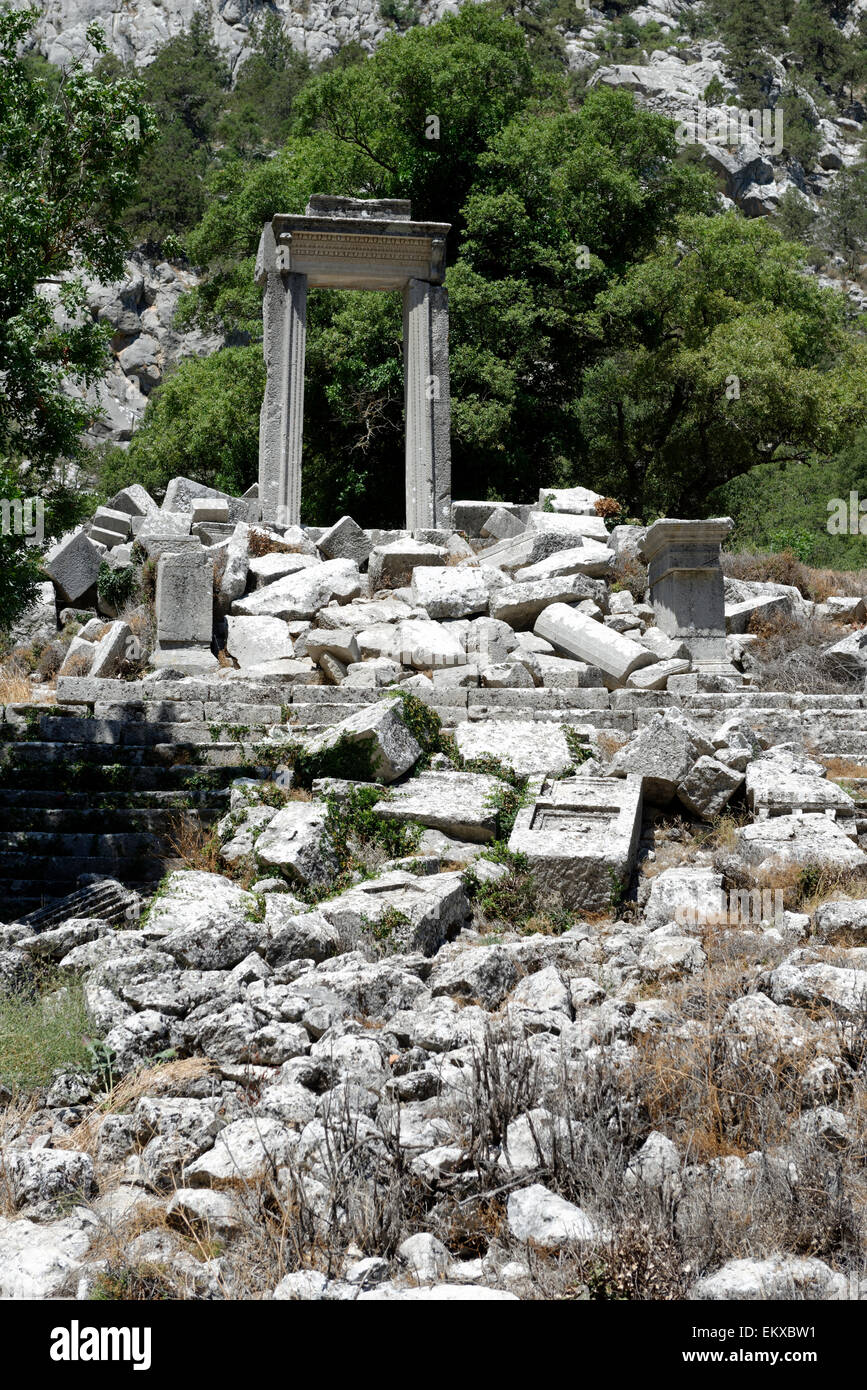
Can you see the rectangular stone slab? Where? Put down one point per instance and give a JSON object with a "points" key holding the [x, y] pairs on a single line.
{"points": [[459, 804], [184, 597], [581, 838]]}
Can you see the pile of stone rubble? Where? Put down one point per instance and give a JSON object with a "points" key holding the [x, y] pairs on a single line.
{"points": [[280, 1027]]}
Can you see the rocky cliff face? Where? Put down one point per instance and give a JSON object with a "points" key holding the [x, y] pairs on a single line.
{"points": [[144, 344], [136, 30]]}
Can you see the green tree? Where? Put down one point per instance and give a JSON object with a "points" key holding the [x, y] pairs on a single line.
{"points": [[70, 145], [257, 113], [748, 30], [719, 355], [818, 42], [846, 215], [186, 84], [202, 421], [561, 206]]}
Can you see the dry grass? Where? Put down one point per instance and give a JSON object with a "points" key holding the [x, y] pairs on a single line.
{"points": [[609, 742], [839, 769], [629, 573], [167, 1079], [15, 685], [789, 656], [804, 886], [263, 543], [784, 567], [195, 845]]}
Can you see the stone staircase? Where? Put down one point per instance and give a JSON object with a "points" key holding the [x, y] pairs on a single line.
{"points": [[92, 790], [95, 786]]}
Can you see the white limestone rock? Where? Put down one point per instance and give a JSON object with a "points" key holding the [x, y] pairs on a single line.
{"points": [[295, 840], [301, 595], [779, 1277], [254, 640], [541, 1216]]}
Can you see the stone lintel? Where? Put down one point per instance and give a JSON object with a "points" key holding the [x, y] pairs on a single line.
{"points": [[361, 252]]}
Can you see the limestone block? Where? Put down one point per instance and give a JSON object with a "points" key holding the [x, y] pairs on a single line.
{"points": [[849, 657], [458, 803], [784, 781], [708, 788], [575, 501], [764, 607], [209, 509], [813, 838], [182, 492], [581, 637], [115, 522], [591, 557], [345, 540], [524, 746], [663, 753], [779, 1277], [502, 524], [134, 500], [427, 645], [301, 595], [296, 841], [565, 524], [162, 525], [450, 593], [657, 677], [341, 643], [265, 569], [581, 837], [507, 675], [73, 566], [560, 673], [233, 580], [391, 566], [436, 908], [393, 750], [520, 605], [110, 651], [184, 598], [253, 640]]}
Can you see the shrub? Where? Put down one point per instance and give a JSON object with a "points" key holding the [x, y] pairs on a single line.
{"points": [[115, 586]]}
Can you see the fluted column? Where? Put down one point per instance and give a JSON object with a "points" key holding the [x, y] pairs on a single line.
{"points": [[427, 402], [281, 419]]}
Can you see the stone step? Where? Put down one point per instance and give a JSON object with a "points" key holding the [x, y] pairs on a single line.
{"points": [[59, 845], [25, 896], [59, 820], [66, 869], [103, 802]]}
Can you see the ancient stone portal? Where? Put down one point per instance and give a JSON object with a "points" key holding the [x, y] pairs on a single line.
{"points": [[355, 244]]}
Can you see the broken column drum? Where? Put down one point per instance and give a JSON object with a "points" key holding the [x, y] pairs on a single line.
{"points": [[687, 587], [355, 244]]}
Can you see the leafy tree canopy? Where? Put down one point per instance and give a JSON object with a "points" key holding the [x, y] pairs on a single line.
{"points": [[70, 145]]}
